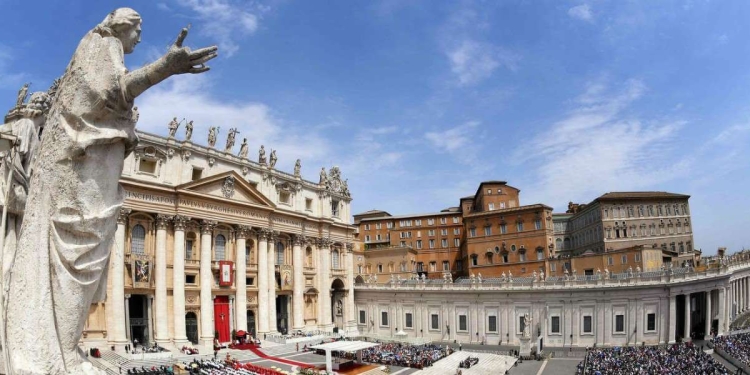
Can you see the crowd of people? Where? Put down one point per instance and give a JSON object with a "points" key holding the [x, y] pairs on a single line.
{"points": [[737, 346], [161, 370], [468, 362], [228, 367], [681, 358], [189, 350], [403, 355]]}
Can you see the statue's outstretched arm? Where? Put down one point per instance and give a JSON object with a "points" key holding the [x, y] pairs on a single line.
{"points": [[178, 60]]}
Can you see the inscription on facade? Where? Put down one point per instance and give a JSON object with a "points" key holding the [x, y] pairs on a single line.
{"points": [[144, 197]]}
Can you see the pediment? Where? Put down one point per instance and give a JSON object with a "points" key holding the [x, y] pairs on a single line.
{"points": [[227, 186]]}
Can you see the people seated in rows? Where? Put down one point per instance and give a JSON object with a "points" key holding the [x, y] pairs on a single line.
{"points": [[678, 359], [737, 346], [403, 355]]}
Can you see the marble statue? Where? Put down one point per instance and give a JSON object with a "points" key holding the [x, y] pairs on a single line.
{"points": [[339, 308], [230, 139], [243, 149], [606, 274], [541, 275], [503, 277], [345, 188], [273, 159], [534, 276], [60, 264], [213, 133], [173, 125], [22, 93], [189, 130], [527, 325], [479, 277], [323, 177], [262, 155], [297, 168]]}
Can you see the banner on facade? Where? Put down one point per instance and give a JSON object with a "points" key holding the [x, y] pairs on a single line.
{"points": [[141, 270], [225, 272]]}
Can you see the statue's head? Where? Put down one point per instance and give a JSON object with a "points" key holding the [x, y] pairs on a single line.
{"points": [[123, 24], [38, 105]]}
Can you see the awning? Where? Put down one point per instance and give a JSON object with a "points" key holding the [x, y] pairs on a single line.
{"points": [[345, 346]]}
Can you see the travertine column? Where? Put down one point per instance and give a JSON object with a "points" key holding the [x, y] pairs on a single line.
{"points": [[127, 318], [160, 283], [707, 334], [178, 281], [349, 314], [272, 282], [672, 319], [263, 281], [324, 269], [231, 316], [240, 273], [207, 282], [687, 318], [298, 303], [119, 336], [722, 312]]}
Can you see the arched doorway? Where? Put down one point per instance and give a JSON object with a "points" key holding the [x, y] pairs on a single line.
{"points": [[191, 327], [359, 280], [338, 302], [251, 322]]}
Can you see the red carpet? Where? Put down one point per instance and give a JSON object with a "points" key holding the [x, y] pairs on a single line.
{"points": [[254, 349]]}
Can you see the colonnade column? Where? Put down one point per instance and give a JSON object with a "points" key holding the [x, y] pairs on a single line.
{"points": [[272, 282], [325, 283], [117, 273], [672, 319], [263, 281], [687, 318], [240, 275], [349, 314], [709, 319], [722, 313], [298, 303], [161, 336], [207, 282], [178, 280]]}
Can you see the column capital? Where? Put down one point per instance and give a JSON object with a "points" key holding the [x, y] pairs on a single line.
{"points": [[180, 222], [274, 235], [263, 234], [207, 226], [324, 242], [349, 247], [298, 239], [162, 221], [122, 217], [242, 231]]}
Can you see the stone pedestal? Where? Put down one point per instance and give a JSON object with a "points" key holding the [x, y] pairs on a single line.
{"points": [[525, 349]]}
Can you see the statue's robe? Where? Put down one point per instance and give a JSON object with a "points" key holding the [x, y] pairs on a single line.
{"points": [[74, 198]]}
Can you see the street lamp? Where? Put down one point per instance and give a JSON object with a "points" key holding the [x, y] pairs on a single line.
{"points": [[7, 146]]}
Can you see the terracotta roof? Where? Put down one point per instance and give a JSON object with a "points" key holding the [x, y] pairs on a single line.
{"points": [[640, 195], [373, 212]]}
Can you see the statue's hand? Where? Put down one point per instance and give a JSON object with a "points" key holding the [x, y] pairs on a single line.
{"points": [[181, 60]]}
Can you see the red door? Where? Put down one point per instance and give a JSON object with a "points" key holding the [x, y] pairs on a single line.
{"points": [[221, 317]]}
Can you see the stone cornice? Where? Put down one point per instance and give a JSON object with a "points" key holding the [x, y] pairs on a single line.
{"points": [[122, 217]]}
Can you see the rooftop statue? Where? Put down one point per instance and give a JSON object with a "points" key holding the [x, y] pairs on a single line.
{"points": [[323, 177], [60, 264], [213, 133], [297, 167], [189, 130], [262, 155], [274, 159], [230, 139], [173, 126], [243, 149], [22, 93]]}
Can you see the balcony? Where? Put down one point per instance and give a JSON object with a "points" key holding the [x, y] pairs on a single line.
{"points": [[338, 272], [192, 263], [252, 267]]}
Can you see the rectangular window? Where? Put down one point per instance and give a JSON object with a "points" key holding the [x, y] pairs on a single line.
{"points": [[492, 323], [459, 265], [384, 318], [443, 220], [432, 244], [539, 254], [444, 242], [189, 249], [403, 243], [503, 229], [389, 225], [433, 266], [472, 232], [491, 207], [417, 222], [308, 207], [408, 321], [624, 259], [446, 265], [637, 257], [419, 244], [367, 226], [420, 267], [456, 242], [521, 324], [434, 322], [462, 323], [361, 316], [249, 281], [619, 323], [522, 257], [189, 279], [487, 231], [430, 221], [587, 324], [419, 234], [197, 173], [444, 232], [651, 322], [456, 231], [474, 260], [455, 220], [431, 232], [610, 261], [335, 208], [537, 224], [519, 227], [555, 324], [380, 268], [553, 267], [367, 238], [377, 237], [377, 225]]}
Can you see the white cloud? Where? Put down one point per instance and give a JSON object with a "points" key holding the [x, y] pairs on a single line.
{"points": [[188, 96], [453, 140], [472, 62], [224, 21], [581, 12], [597, 148]]}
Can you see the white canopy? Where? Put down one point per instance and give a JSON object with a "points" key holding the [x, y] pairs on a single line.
{"points": [[345, 346]]}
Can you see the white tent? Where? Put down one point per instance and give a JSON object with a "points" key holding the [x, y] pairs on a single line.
{"points": [[343, 346]]}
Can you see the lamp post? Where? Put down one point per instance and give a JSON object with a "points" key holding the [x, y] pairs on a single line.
{"points": [[7, 146]]}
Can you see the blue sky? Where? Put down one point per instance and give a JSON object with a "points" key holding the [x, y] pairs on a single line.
{"points": [[419, 101]]}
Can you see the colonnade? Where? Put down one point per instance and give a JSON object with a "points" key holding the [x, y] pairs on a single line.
{"points": [[740, 292], [266, 281]]}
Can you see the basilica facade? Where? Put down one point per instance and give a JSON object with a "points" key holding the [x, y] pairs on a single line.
{"points": [[209, 243]]}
